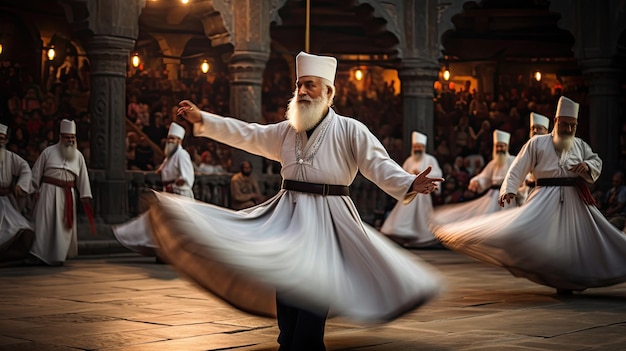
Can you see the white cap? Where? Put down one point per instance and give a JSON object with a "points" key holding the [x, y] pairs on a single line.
{"points": [[176, 130], [67, 127], [3, 129], [418, 138], [566, 108], [317, 66], [539, 120], [500, 136]]}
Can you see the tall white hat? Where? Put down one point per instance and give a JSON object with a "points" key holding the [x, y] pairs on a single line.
{"points": [[418, 138], [67, 127], [541, 120], [566, 108], [500, 136], [3, 129], [317, 66], [176, 130]]}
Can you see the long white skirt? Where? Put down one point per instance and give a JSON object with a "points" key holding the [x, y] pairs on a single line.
{"points": [[16, 232], [410, 224], [563, 244], [315, 250], [488, 203]]}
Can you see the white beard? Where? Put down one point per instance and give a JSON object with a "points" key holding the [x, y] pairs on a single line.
{"points": [[3, 153], [417, 156], [562, 143], [170, 148], [68, 152], [304, 116], [500, 158]]}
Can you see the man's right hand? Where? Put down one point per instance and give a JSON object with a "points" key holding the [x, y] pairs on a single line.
{"points": [[189, 111], [506, 197]]}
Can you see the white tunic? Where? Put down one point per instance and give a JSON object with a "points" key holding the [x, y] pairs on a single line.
{"points": [[554, 239], [54, 242], [179, 166], [491, 175], [410, 223], [12, 223], [314, 249]]}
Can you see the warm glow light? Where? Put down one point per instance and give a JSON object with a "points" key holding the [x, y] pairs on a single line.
{"points": [[135, 60], [51, 53], [537, 76], [358, 74], [0, 48], [185, 2], [205, 66], [446, 74]]}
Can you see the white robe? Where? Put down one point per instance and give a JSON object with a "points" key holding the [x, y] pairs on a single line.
{"points": [[314, 249], [179, 166], [554, 239], [54, 242], [15, 230], [410, 223], [491, 175], [135, 235]]}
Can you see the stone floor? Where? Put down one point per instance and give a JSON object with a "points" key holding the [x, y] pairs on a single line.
{"points": [[127, 302]]}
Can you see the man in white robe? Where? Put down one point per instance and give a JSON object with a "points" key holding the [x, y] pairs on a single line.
{"points": [[409, 224], [59, 170], [306, 249], [487, 181], [539, 125], [559, 238], [177, 170], [16, 232], [177, 176]]}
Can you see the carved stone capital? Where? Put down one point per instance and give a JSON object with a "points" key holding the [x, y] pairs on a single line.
{"points": [[418, 81], [247, 67], [108, 55], [602, 75]]}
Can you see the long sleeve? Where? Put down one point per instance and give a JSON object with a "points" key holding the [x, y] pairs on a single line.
{"points": [[258, 139], [22, 171]]}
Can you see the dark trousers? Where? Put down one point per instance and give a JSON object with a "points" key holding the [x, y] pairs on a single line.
{"points": [[300, 330]]}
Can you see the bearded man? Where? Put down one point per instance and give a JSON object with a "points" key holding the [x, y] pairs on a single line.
{"points": [[559, 238], [176, 170], [408, 224], [59, 170], [177, 176], [305, 251], [488, 181], [16, 232], [539, 125]]}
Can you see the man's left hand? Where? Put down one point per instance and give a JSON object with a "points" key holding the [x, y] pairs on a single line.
{"points": [[580, 168], [425, 185], [180, 182]]}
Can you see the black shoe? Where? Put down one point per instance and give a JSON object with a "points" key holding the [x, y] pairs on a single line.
{"points": [[159, 260], [560, 291]]}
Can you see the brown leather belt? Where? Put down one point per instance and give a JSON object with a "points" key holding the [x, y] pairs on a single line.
{"points": [[5, 190], [318, 189], [58, 182], [495, 186], [531, 184], [556, 182]]}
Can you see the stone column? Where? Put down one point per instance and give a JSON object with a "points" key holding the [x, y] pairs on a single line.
{"points": [[603, 78], [417, 97], [252, 47], [172, 65], [420, 47], [108, 57]]}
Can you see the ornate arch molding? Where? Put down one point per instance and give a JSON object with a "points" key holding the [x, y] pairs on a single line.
{"points": [[575, 17], [447, 9]]}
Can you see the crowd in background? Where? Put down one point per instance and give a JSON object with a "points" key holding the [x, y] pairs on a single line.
{"points": [[463, 124]]}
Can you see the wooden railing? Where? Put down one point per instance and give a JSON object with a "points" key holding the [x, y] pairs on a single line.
{"points": [[370, 201]]}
